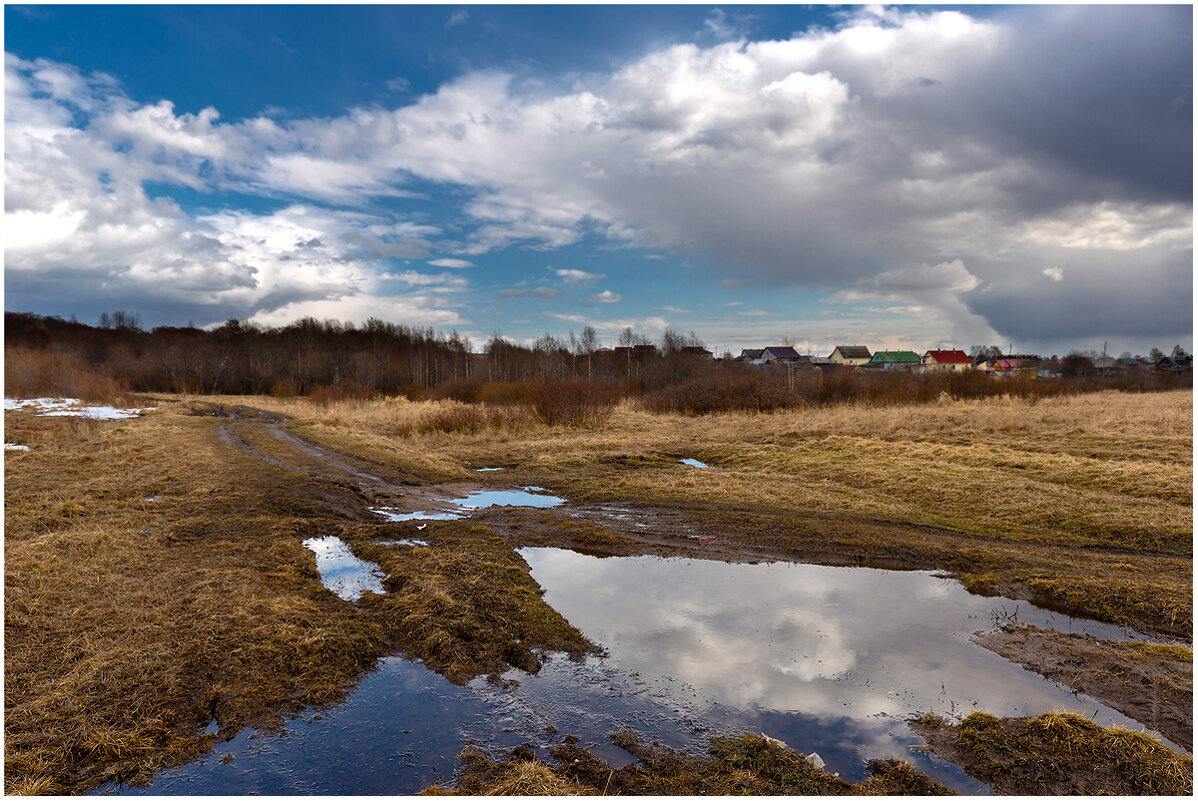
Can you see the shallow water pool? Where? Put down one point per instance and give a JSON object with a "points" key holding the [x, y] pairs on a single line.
{"points": [[341, 571], [529, 496], [829, 660]]}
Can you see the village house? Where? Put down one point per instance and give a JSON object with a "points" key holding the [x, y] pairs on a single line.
{"points": [[893, 360], [782, 354], [943, 361], [855, 355], [1012, 368], [750, 355], [1177, 364]]}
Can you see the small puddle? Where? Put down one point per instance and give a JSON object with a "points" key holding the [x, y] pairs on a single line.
{"points": [[403, 542], [487, 469], [479, 499], [693, 462], [528, 496], [341, 571], [396, 517]]}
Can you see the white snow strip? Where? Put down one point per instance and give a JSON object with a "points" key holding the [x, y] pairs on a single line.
{"points": [[69, 407]]}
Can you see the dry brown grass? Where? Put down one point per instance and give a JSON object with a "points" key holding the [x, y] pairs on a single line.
{"points": [[1085, 501], [124, 634]]}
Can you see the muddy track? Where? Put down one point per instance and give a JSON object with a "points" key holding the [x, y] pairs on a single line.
{"points": [[643, 528], [723, 533], [677, 531], [264, 436]]}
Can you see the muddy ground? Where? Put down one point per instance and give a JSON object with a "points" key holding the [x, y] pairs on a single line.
{"points": [[1153, 684], [466, 607], [1059, 754], [745, 765]]}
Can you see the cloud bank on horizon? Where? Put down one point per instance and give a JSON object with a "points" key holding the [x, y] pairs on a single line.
{"points": [[904, 176]]}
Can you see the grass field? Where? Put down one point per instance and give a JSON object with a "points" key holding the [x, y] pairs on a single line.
{"points": [[1083, 501], [155, 580]]}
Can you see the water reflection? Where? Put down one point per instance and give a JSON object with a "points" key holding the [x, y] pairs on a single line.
{"points": [[341, 571], [481, 499], [394, 516], [692, 462], [399, 732], [829, 660], [835, 659]]}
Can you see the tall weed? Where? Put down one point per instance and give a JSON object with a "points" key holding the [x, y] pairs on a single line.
{"points": [[572, 402]]}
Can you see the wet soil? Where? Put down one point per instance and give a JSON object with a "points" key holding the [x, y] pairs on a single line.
{"points": [[1151, 684], [1058, 754], [747, 765], [351, 485]]}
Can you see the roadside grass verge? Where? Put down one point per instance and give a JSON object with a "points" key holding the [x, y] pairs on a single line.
{"points": [[1059, 753], [1083, 501]]}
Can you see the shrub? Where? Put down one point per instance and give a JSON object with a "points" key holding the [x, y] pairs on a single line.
{"points": [[452, 417], [725, 392], [284, 388], [464, 390], [572, 402], [30, 373], [506, 392]]}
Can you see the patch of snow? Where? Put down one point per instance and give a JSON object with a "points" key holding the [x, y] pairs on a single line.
{"points": [[69, 407], [8, 446], [487, 469], [48, 403]]}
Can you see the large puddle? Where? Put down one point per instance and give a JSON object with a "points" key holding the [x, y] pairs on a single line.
{"points": [[829, 660]]}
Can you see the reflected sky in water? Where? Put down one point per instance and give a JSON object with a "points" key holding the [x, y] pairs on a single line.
{"points": [[835, 658], [341, 571], [829, 660], [528, 496]]}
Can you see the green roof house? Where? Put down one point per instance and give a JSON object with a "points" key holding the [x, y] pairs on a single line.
{"points": [[893, 360]]}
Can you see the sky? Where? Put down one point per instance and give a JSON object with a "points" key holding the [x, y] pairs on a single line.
{"points": [[899, 177]]}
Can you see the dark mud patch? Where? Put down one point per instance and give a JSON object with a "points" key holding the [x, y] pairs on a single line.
{"points": [[1058, 753], [746, 765], [1153, 684]]}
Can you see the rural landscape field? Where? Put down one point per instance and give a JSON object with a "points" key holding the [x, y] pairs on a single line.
{"points": [[779, 399], [161, 602]]}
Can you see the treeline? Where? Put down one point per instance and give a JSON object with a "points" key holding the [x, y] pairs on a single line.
{"points": [[322, 357], [329, 361], [237, 358]]}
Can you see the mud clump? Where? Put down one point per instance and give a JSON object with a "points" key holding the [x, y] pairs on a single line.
{"points": [[1153, 684], [465, 605], [1058, 753], [745, 765]]}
